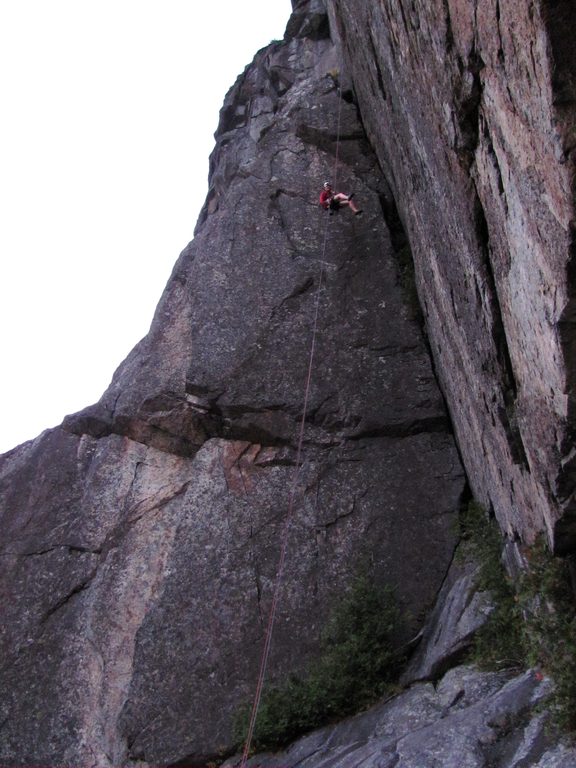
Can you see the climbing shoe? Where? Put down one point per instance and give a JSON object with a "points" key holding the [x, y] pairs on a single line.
{"points": [[357, 213]]}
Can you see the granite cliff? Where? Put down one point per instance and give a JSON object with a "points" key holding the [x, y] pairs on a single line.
{"points": [[141, 537], [470, 107]]}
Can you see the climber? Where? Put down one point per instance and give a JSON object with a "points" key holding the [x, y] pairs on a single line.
{"points": [[332, 201]]}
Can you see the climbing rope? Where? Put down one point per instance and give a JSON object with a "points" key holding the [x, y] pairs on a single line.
{"points": [[294, 483]]}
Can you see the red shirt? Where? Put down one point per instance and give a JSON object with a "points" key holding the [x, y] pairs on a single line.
{"points": [[325, 196]]}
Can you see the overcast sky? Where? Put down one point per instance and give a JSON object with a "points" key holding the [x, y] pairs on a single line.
{"points": [[108, 113]]}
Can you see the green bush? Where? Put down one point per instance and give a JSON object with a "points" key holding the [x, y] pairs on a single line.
{"points": [[357, 665], [499, 643], [546, 599], [533, 623]]}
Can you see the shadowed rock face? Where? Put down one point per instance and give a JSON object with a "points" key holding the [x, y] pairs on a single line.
{"points": [[470, 107], [141, 538]]}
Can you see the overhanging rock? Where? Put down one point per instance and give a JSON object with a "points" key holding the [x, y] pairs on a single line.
{"points": [[471, 108]]}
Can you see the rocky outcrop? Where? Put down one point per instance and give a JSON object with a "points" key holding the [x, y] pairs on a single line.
{"points": [[449, 714], [470, 718], [470, 107], [461, 610], [141, 538]]}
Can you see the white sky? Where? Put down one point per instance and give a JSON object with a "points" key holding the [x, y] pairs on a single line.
{"points": [[108, 113]]}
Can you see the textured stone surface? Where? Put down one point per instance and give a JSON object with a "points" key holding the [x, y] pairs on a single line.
{"points": [[77, 581], [470, 720], [471, 109], [459, 613], [216, 596], [141, 538]]}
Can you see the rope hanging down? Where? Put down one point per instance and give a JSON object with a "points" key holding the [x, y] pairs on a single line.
{"points": [[293, 488]]}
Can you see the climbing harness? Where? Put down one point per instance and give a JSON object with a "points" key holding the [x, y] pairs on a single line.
{"points": [[295, 476]]}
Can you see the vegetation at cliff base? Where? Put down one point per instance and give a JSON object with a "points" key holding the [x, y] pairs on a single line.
{"points": [[499, 643], [357, 665], [533, 623], [547, 602]]}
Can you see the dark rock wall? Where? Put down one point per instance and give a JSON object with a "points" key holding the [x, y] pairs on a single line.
{"points": [[470, 108], [141, 538]]}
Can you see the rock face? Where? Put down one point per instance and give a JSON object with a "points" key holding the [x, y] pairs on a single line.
{"points": [[448, 715], [141, 538], [460, 611], [468, 720], [470, 107]]}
